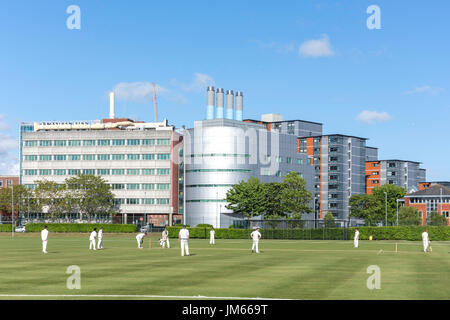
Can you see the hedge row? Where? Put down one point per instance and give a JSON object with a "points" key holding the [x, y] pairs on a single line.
{"points": [[81, 227], [377, 233], [5, 227]]}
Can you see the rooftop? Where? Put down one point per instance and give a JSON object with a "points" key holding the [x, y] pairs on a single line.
{"points": [[434, 190]]}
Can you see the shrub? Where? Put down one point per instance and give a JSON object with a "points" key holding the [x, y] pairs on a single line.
{"points": [[81, 227], [5, 227], [204, 225]]}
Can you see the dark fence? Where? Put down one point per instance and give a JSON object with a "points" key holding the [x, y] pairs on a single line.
{"points": [[293, 224]]}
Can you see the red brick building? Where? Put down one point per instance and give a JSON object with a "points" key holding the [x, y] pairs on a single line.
{"points": [[434, 198], [6, 181]]}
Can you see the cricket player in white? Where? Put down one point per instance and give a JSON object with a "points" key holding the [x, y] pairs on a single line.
{"points": [[100, 239], [44, 237], [92, 239], [140, 239], [183, 237], [356, 239], [211, 236], [425, 240], [255, 235], [165, 238]]}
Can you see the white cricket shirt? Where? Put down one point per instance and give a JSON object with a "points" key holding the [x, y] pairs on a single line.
{"points": [[255, 235], [140, 236], [425, 236], [44, 235], [93, 235], [356, 235], [211, 233], [184, 234], [100, 234]]}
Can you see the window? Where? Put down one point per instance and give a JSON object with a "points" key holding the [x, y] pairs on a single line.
{"points": [[118, 201], [288, 160], [375, 173], [148, 142], [133, 156], [45, 172], [133, 186], [148, 201], [333, 177], [118, 172], [74, 143], [88, 143], [103, 157], [391, 173], [59, 172], [73, 172], [148, 172], [45, 157], [103, 142], [162, 171], [391, 181], [89, 171], [31, 143], [148, 186], [59, 157], [375, 181], [30, 158], [299, 161], [103, 172], [163, 186], [334, 149], [333, 187], [278, 173], [164, 156], [148, 157], [30, 186], [118, 186], [45, 143], [74, 157], [333, 159], [133, 172], [279, 159], [333, 205], [163, 142], [333, 196], [162, 201], [133, 142], [89, 157], [118, 142], [59, 143], [132, 201], [391, 165], [333, 168], [118, 157], [375, 165]]}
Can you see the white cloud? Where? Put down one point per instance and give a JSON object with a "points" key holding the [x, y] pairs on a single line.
{"points": [[9, 162], [133, 91], [370, 117], [426, 89], [199, 83], [316, 48]]}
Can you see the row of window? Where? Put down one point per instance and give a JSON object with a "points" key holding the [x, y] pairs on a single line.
{"points": [[437, 201], [101, 142], [100, 172], [267, 172], [119, 201], [101, 157], [138, 186]]}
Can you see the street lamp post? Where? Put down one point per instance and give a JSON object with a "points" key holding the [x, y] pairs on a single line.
{"points": [[385, 206], [397, 211], [12, 209]]}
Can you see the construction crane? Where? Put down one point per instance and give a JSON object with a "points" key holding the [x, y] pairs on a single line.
{"points": [[155, 104]]}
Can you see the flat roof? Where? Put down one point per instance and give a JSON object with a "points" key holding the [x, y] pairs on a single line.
{"points": [[337, 134], [284, 121], [401, 161], [371, 147]]}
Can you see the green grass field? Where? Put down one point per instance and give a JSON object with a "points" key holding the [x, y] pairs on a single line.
{"points": [[285, 269]]}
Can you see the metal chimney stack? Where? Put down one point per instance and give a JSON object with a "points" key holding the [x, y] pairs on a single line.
{"points": [[239, 105], [230, 104], [111, 105], [219, 103], [210, 103]]}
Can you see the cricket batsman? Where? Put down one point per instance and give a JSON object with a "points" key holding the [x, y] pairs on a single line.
{"points": [[165, 238], [140, 239]]}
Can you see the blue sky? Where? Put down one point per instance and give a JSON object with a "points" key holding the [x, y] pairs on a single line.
{"points": [[311, 60]]}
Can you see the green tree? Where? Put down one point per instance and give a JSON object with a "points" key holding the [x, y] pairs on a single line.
{"points": [[436, 219], [21, 193], [247, 198], [273, 220], [294, 196], [365, 206], [329, 220], [91, 195], [295, 220], [52, 198], [272, 199], [409, 216]]}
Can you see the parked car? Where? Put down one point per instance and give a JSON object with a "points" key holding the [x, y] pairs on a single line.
{"points": [[20, 229], [145, 228]]}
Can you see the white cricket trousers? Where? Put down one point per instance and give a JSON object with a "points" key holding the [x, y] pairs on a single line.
{"points": [[92, 245], [212, 240], [255, 245], [139, 243], [184, 247], [100, 243], [356, 243], [44, 246], [425, 245], [168, 243]]}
